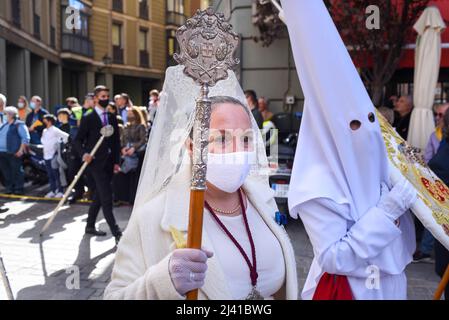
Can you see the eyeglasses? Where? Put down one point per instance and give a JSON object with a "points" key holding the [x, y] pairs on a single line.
{"points": [[439, 115]]}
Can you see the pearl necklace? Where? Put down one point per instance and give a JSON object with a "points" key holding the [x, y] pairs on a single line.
{"points": [[230, 212], [233, 211]]}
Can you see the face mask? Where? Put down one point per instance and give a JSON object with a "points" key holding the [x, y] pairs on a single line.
{"points": [[21, 105], [228, 171], [103, 103], [33, 105]]}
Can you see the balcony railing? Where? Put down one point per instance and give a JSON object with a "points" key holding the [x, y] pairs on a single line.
{"points": [[144, 59], [77, 44], [37, 26], [117, 55], [52, 37], [117, 5], [175, 18], [15, 13], [143, 10]]}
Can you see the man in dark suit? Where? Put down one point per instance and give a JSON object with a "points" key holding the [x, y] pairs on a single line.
{"points": [[104, 164]]}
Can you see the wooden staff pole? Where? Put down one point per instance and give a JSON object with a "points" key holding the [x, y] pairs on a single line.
{"points": [[444, 282], [199, 170], [195, 227]]}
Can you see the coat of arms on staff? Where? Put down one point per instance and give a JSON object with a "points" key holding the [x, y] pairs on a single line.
{"points": [[207, 46]]}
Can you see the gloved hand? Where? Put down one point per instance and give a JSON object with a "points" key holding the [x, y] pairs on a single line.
{"points": [[398, 200], [187, 269]]}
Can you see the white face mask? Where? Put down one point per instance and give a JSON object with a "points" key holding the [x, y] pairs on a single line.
{"points": [[21, 105], [228, 171]]}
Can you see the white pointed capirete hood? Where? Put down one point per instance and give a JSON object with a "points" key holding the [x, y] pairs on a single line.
{"points": [[332, 160]]}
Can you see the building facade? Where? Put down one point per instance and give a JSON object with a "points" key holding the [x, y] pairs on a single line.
{"points": [[177, 13], [269, 71], [61, 48], [30, 61]]}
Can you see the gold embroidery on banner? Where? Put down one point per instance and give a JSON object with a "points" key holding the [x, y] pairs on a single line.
{"points": [[431, 190]]}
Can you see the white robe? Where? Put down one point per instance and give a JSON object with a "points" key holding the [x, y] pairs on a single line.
{"points": [[373, 245], [338, 170]]}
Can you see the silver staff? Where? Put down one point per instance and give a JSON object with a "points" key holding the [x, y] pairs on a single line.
{"points": [[106, 132], [207, 51]]}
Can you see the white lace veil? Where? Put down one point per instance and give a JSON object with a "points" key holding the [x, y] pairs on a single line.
{"points": [[166, 152]]}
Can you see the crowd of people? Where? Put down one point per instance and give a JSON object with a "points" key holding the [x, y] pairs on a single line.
{"points": [[28, 123]]}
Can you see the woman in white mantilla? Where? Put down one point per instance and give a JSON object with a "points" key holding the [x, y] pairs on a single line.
{"points": [[244, 250]]}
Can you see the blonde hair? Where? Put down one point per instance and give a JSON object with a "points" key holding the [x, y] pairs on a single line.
{"points": [[25, 100], [138, 115]]}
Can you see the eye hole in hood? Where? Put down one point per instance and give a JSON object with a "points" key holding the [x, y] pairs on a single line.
{"points": [[355, 125]]}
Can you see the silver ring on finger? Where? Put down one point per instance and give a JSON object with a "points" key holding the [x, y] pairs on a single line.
{"points": [[192, 276]]}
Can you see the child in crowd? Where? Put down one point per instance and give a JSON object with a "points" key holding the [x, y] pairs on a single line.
{"points": [[51, 137]]}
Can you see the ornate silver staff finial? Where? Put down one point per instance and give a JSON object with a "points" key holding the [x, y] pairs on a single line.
{"points": [[207, 49], [207, 45]]}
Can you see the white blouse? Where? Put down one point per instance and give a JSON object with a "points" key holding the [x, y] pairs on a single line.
{"points": [[269, 255], [50, 139]]}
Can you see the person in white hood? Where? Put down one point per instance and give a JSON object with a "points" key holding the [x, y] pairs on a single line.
{"points": [[359, 224]]}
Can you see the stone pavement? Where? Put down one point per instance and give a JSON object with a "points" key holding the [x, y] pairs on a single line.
{"points": [[40, 268], [422, 280]]}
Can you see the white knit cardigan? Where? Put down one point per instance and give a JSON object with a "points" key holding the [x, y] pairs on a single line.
{"points": [[141, 263]]}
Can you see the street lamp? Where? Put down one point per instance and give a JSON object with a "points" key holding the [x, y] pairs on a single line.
{"points": [[107, 62]]}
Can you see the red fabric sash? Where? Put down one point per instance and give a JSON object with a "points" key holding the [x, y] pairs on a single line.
{"points": [[333, 287]]}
